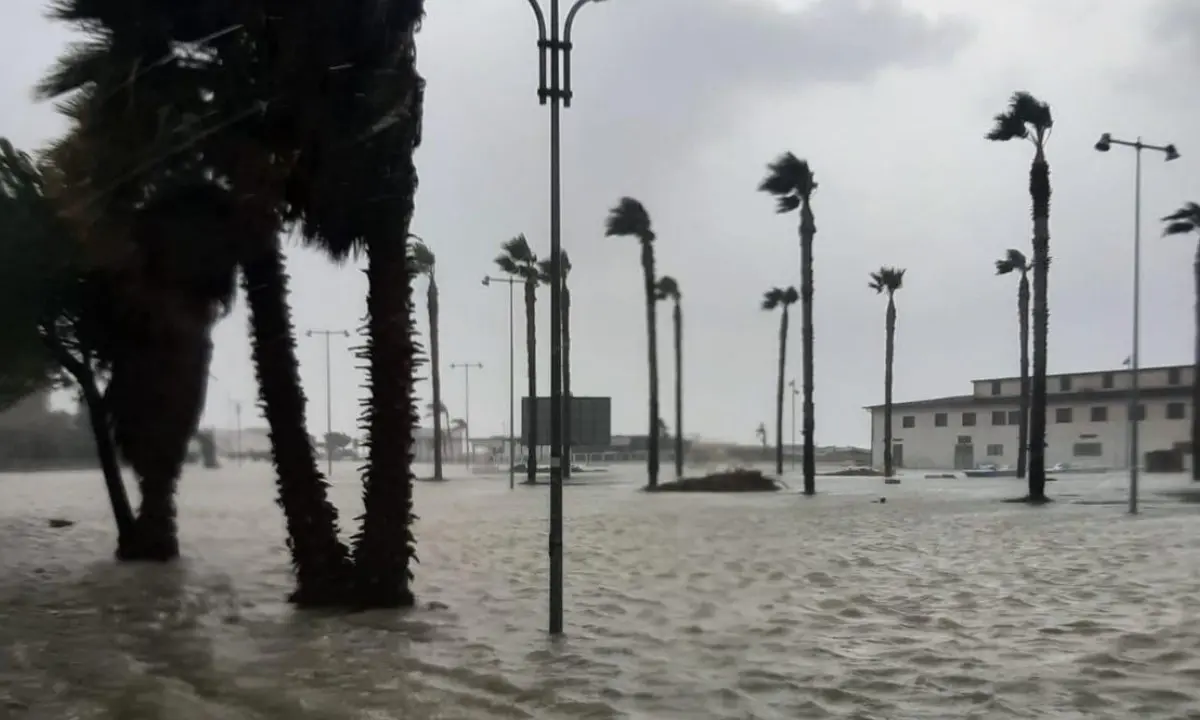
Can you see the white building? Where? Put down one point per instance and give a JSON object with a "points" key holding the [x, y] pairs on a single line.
{"points": [[1087, 421]]}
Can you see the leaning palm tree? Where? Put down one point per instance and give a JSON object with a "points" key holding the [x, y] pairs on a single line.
{"points": [[1028, 118], [1181, 222], [630, 219], [545, 276], [760, 432], [780, 299], [888, 280], [1015, 261], [517, 259], [423, 263], [668, 289], [791, 181]]}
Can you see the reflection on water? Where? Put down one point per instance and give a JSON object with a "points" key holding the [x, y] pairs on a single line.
{"points": [[939, 604]]}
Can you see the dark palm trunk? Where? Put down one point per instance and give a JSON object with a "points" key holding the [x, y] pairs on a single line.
{"points": [[783, 333], [1023, 325], [1196, 376], [566, 379], [889, 355], [531, 440], [435, 377], [385, 546], [677, 318], [649, 280], [808, 229], [320, 560], [1039, 192]]}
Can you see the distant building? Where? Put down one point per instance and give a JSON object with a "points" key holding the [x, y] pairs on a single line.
{"points": [[1087, 421]]}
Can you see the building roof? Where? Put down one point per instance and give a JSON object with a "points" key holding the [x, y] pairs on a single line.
{"points": [[1053, 398], [1089, 372]]}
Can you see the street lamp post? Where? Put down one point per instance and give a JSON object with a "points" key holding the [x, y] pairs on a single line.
{"points": [[795, 392], [1104, 144], [466, 368], [559, 96], [512, 375], [328, 395]]}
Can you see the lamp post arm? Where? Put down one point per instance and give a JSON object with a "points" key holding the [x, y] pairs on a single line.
{"points": [[543, 46], [566, 47]]}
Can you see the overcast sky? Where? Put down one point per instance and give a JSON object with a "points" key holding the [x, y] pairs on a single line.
{"points": [[681, 103]]}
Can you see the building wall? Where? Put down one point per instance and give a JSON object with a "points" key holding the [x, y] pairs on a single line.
{"points": [[1113, 380], [927, 446]]}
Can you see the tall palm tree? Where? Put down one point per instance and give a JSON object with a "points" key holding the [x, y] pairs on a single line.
{"points": [[630, 219], [545, 276], [462, 445], [780, 299], [668, 289], [888, 280], [517, 259], [791, 181], [1015, 261], [1181, 222], [423, 263], [760, 432], [1027, 118]]}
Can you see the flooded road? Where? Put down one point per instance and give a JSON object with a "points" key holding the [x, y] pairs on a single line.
{"points": [[941, 603]]}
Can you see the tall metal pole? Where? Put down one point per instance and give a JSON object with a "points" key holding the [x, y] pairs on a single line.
{"points": [[1135, 407], [512, 375], [466, 368], [795, 392], [328, 395], [237, 412]]}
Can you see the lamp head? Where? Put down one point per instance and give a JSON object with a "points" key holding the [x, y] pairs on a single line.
{"points": [[308, 333], [486, 281], [1104, 144], [345, 333], [1172, 153]]}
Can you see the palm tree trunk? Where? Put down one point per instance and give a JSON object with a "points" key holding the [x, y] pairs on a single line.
{"points": [[808, 229], [384, 546], [566, 379], [1196, 376], [783, 332], [1023, 325], [320, 560], [888, 359], [649, 280], [531, 441], [435, 376], [1039, 192], [677, 318]]}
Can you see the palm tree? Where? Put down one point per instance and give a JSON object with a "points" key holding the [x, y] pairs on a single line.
{"points": [[441, 418], [1028, 118], [545, 276], [668, 289], [1015, 261], [760, 432], [780, 299], [518, 260], [889, 280], [630, 219], [423, 263], [791, 181], [462, 445], [1181, 222]]}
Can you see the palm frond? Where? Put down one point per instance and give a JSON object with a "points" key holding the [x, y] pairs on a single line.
{"points": [[507, 265], [1184, 220], [887, 279], [790, 296], [518, 249], [628, 218], [1025, 116], [667, 288], [1013, 260], [421, 258], [545, 267], [772, 298]]}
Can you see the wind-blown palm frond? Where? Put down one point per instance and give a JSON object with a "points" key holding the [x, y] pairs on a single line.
{"points": [[629, 217], [1013, 260], [790, 180], [517, 259], [887, 279], [544, 268], [780, 297], [421, 258], [1184, 220], [1025, 118], [667, 288]]}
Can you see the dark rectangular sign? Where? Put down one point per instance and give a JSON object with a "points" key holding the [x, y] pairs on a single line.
{"points": [[590, 424]]}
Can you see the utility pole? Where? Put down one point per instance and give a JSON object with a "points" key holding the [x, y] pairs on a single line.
{"points": [[466, 368], [795, 392], [512, 392], [328, 395]]}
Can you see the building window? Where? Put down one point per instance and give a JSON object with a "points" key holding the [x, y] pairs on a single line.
{"points": [[1100, 414], [999, 417], [964, 439], [1106, 381], [1137, 412], [908, 421], [1172, 376], [968, 419], [1064, 383], [1062, 415], [939, 420], [1014, 417], [995, 450], [997, 387], [1089, 449], [1176, 411]]}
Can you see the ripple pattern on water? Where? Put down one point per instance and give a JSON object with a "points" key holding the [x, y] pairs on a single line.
{"points": [[941, 603]]}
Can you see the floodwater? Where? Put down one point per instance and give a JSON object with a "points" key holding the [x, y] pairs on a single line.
{"points": [[941, 603]]}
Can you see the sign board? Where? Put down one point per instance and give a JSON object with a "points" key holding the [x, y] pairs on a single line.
{"points": [[590, 423]]}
